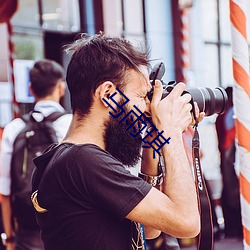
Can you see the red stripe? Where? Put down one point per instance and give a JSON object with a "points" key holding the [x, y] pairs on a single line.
{"points": [[184, 50], [241, 77], [238, 18], [11, 62], [246, 234], [243, 135], [244, 187]]}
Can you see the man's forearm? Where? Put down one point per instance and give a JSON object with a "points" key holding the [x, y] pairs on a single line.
{"points": [[179, 182], [7, 215], [149, 166], [149, 163]]}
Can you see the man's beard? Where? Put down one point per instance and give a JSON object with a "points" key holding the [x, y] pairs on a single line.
{"points": [[120, 143]]}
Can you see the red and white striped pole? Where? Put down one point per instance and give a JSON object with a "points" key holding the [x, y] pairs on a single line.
{"points": [[185, 66], [15, 106], [241, 95], [185, 55]]}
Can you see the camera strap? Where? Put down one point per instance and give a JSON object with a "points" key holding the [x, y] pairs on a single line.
{"points": [[205, 238]]}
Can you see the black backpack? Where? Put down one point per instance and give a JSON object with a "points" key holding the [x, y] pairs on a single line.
{"points": [[37, 135]]}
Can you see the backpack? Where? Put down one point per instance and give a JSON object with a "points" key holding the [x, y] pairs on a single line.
{"points": [[37, 135]]}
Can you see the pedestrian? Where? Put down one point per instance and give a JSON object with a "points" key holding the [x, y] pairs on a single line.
{"points": [[225, 126], [83, 195], [47, 86]]}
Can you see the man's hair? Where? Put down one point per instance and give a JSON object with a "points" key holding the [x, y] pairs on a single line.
{"points": [[96, 59], [44, 76]]}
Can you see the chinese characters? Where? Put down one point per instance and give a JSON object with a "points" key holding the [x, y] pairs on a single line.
{"points": [[137, 123]]}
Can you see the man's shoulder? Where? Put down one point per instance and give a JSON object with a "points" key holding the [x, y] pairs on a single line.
{"points": [[14, 127], [14, 123], [79, 151], [93, 154], [96, 157], [89, 149]]}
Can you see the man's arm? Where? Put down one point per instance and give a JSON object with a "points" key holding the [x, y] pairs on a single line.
{"points": [[7, 220], [9, 134], [175, 211], [149, 166]]}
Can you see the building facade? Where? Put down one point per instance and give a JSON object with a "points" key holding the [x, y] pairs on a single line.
{"points": [[193, 41]]}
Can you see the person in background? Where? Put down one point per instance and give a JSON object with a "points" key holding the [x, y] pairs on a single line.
{"points": [[210, 162], [225, 125], [48, 86]]}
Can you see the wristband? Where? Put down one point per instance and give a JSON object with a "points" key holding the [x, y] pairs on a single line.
{"points": [[6, 239], [152, 180]]}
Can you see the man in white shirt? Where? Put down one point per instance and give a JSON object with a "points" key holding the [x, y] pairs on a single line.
{"points": [[47, 86]]}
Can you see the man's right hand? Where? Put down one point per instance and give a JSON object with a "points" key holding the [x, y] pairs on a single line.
{"points": [[172, 113]]}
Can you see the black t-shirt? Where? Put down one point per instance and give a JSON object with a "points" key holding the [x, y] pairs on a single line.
{"points": [[88, 194]]}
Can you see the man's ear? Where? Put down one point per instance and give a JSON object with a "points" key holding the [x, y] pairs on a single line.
{"points": [[31, 90], [104, 91], [62, 88]]}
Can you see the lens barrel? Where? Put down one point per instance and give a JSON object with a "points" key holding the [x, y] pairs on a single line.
{"points": [[210, 101]]}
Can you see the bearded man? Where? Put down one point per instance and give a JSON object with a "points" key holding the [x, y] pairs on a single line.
{"points": [[84, 196]]}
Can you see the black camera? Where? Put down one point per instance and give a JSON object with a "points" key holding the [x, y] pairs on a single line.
{"points": [[210, 101]]}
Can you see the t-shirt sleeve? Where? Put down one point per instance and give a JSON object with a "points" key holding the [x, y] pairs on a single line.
{"points": [[107, 183], [10, 133]]}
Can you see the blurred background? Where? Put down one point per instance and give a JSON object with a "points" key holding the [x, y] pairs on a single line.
{"points": [[192, 38]]}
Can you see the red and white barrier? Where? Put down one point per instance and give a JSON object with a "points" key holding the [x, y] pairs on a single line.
{"points": [[11, 69], [241, 95]]}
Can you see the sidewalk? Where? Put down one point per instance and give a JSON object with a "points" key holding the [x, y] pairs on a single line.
{"points": [[223, 244]]}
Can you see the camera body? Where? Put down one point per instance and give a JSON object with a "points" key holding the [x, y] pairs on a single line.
{"points": [[210, 101]]}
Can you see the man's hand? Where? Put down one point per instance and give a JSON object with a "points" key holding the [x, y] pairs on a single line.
{"points": [[199, 115], [172, 113]]}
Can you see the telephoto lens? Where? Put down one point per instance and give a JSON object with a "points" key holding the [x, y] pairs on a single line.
{"points": [[210, 101]]}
